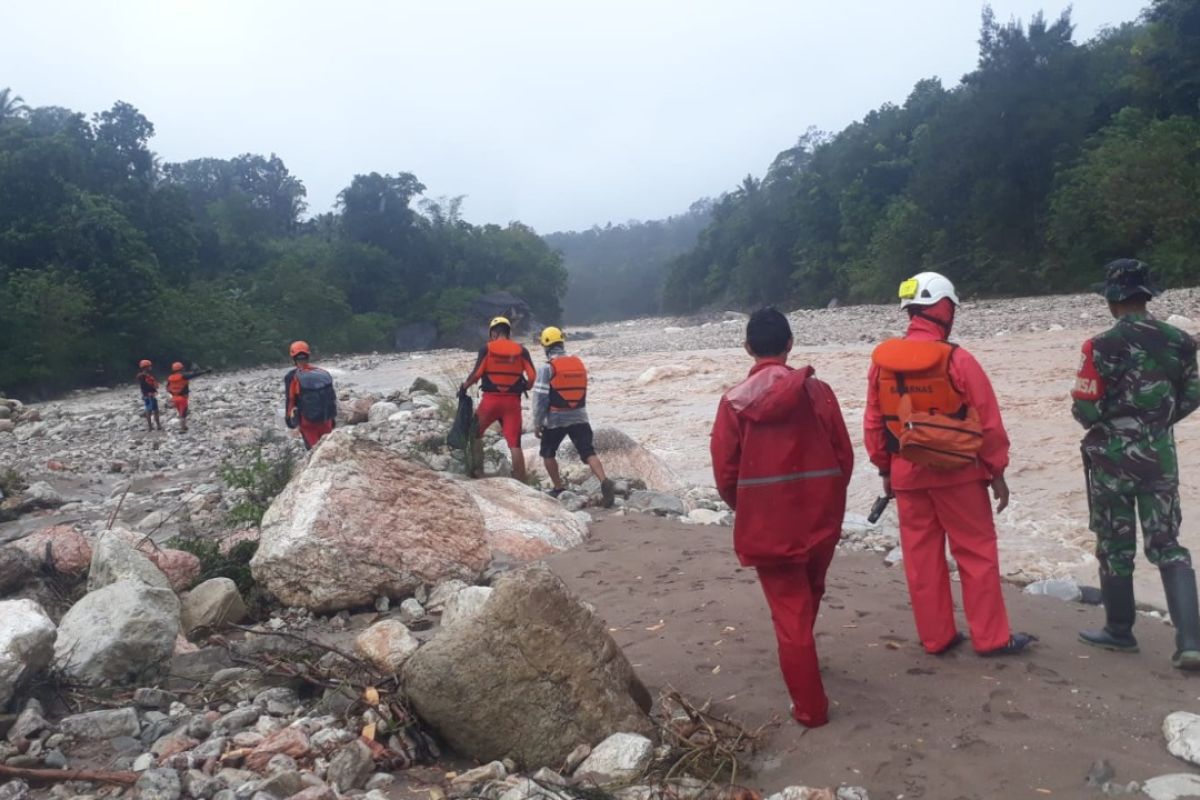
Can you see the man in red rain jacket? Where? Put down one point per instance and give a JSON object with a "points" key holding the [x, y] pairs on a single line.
{"points": [[936, 504], [782, 460]]}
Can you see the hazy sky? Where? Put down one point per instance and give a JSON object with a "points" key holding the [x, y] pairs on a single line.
{"points": [[555, 112]]}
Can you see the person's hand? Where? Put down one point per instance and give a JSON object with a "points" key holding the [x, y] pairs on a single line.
{"points": [[1000, 492], [538, 431], [887, 485]]}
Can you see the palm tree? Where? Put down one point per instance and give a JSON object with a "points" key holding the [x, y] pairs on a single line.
{"points": [[11, 105]]}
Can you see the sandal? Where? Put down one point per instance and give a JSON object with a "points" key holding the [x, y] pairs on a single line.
{"points": [[1016, 644], [555, 492]]}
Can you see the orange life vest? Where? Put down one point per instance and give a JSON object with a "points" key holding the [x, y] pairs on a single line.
{"points": [[177, 385], [568, 384], [927, 418], [504, 367]]}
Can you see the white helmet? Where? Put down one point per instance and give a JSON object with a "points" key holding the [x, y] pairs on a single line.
{"points": [[925, 289]]}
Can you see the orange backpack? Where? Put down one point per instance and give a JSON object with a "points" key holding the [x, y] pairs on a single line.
{"points": [[928, 421]]}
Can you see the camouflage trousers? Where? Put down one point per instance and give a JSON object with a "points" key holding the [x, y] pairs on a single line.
{"points": [[1116, 506]]}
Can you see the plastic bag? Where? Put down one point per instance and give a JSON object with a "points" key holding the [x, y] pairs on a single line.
{"points": [[463, 429]]}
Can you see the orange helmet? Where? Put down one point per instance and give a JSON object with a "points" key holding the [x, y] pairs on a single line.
{"points": [[298, 348], [144, 363], [177, 366]]}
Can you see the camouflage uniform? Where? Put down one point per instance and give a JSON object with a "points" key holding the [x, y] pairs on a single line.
{"points": [[1136, 380]]}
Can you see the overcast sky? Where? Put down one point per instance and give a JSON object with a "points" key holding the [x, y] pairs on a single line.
{"points": [[559, 113]]}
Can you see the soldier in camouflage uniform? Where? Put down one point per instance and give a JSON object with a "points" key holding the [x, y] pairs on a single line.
{"points": [[1136, 380]]}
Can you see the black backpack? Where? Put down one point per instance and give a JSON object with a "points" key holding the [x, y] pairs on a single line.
{"points": [[318, 400]]}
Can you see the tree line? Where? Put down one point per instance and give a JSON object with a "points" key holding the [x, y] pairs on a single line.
{"points": [[1047, 160], [108, 255]]}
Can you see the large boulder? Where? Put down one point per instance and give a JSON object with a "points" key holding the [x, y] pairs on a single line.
{"points": [[26, 644], [531, 676], [69, 551], [211, 604], [359, 522], [117, 633], [115, 559], [522, 523], [624, 458]]}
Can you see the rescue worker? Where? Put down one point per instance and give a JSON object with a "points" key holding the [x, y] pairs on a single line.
{"points": [[504, 371], [560, 410], [311, 402], [179, 387], [942, 498], [1135, 381], [782, 460], [149, 387]]}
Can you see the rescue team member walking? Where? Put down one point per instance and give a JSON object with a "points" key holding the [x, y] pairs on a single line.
{"points": [[933, 428], [560, 410], [782, 459], [1136, 380], [504, 371], [149, 387], [311, 402], [179, 387]]}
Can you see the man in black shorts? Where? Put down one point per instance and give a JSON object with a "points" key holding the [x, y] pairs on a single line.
{"points": [[560, 410]]}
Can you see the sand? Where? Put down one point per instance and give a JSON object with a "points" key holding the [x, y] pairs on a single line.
{"points": [[903, 723]]}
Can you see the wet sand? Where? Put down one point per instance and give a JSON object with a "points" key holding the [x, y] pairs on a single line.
{"points": [[903, 723]]}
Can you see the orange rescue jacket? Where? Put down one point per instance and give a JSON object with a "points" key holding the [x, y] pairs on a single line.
{"points": [[177, 385], [504, 366], [568, 384]]}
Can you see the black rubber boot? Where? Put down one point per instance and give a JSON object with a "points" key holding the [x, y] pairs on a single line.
{"points": [[1179, 583], [1119, 614]]}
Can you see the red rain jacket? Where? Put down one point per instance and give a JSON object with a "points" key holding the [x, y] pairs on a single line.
{"points": [[782, 459], [972, 382]]}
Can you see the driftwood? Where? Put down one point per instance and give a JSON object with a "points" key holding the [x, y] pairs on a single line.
{"points": [[62, 775]]}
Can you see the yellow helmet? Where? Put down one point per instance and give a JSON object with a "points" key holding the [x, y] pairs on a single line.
{"points": [[552, 336], [499, 321]]}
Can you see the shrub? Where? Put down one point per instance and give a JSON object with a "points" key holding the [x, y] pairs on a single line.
{"points": [[260, 471]]}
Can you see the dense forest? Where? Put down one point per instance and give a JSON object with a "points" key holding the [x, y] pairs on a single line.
{"points": [[108, 255], [1046, 161], [617, 272]]}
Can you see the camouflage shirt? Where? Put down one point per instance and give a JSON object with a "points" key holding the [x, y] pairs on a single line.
{"points": [[1135, 381]]}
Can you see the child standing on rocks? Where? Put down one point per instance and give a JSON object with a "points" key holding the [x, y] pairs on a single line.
{"points": [[782, 460]]}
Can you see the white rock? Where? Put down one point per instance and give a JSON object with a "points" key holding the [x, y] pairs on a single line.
{"points": [[42, 495], [386, 644], [411, 610], [214, 602], [465, 604], [115, 559], [381, 411], [1180, 321], [26, 644], [705, 516], [106, 724], [1182, 729], [443, 592], [620, 758], [522, 523], [1065, 589], [117, 632], [1172, 787]]}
